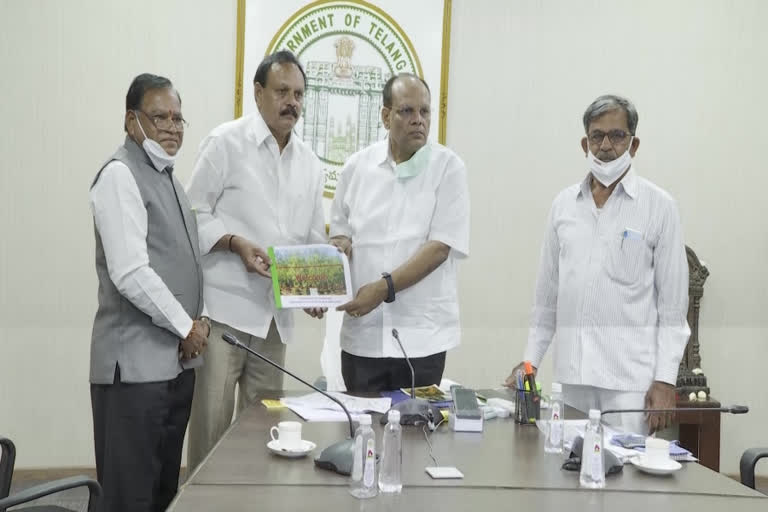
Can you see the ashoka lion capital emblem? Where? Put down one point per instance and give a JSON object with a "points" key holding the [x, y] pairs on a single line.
{"points": [[344, 49]]}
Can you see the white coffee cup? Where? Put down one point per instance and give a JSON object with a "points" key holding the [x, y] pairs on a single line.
{"points": [[656, 450], [287, 434]]}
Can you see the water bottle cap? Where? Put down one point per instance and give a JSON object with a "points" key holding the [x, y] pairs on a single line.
{"points": [[557, 387], [394, 416], [364, 419], [594, 414]]}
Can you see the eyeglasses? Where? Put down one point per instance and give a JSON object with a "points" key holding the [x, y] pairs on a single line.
{"points": [[409, 112], [615, 136], [167, 122]]}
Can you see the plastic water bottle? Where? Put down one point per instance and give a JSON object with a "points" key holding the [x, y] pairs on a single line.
{"points": [[362, 483], [592, 459], [554, 441], [392, 455]]}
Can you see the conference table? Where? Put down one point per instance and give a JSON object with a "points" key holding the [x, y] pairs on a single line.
{"points": [[504, 466]]}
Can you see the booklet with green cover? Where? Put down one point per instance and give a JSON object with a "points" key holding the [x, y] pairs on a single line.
{"points": [[310, 276]]}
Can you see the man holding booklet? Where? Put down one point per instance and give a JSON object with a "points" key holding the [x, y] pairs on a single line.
{"points": [[401, 214], [254, 185]]}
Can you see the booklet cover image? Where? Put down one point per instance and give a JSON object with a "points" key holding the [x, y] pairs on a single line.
{"points": [[306, 276]]}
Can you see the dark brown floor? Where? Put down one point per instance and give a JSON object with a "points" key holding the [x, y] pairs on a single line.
{"points": [[73, 499]]}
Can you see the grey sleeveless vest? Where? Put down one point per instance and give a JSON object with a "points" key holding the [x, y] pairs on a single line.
{"points": [[122, 334]]}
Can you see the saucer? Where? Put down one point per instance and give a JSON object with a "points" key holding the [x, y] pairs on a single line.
{"points": [[660, 468], [305, 449]]}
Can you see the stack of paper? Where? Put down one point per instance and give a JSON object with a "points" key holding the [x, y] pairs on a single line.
{"points": [[316, 407]]}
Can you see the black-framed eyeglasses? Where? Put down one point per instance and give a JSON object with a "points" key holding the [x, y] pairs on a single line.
{"points": [[615, 136], [167, 121]]}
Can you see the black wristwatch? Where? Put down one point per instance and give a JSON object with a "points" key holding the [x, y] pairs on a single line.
{"points": [[390, 287]]}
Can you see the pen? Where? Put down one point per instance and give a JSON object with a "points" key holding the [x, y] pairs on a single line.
{"points": [[521, 409]]}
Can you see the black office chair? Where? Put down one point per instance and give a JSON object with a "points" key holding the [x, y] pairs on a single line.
{"points": [[748, 462], [7, 460]]}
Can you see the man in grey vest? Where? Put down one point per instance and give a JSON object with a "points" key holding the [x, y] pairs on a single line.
{"points": [[148, 333]]}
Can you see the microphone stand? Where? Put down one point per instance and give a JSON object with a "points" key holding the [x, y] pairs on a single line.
{"points": [[413, 409], [337, 457]]}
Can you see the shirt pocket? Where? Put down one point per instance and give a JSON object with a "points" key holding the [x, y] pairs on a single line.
{"points": [[627, 259], [298, 213], [415, 216]]}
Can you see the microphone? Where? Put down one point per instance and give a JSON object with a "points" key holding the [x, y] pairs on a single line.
{"points": [[612, 463], [413, 410], [337, 457], [733, 409]]}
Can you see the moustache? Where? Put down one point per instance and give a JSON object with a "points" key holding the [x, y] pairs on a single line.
{"points": [[289, 110]]}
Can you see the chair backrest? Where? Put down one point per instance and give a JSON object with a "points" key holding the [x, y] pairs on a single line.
{"points": [[7, 461]]}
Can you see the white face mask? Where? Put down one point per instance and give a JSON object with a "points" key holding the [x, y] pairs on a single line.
{"points": [[159, 156], [414, 165], [608, 172]]}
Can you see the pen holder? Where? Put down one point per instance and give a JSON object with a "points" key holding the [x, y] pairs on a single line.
{"points": [[527, 407]]}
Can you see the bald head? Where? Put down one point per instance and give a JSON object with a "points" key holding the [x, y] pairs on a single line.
{"points": [[400, 78], [406, 114]]}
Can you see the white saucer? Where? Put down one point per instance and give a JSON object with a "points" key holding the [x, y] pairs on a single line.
{"points": [[660, 468], [305, 449]]}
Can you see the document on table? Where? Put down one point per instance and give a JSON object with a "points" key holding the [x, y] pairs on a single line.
{"points": [[316, 407]]}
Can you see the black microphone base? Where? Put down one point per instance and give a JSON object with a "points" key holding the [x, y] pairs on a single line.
{"points": [[338, 457], [415, 411]]}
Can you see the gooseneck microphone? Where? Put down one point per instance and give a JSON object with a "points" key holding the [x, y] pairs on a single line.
{"points": [[733, 409], [337, 457], [612, 463], [413, 410], [407, 360]]}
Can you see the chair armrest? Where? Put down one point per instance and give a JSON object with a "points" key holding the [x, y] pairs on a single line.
{"points": [[747, 465], [38, 491]]}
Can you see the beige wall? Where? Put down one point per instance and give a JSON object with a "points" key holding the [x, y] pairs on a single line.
{"points": [[521, 75]]}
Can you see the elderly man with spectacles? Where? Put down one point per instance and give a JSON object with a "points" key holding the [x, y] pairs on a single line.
{"points": [[612, 288], [149, 331]]}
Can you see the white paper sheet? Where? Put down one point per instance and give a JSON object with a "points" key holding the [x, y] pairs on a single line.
{"points": [[354, 404], [321, 415]]}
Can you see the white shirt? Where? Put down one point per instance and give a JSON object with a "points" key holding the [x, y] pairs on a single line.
{"points": [[612, 288], [243, 185], [388, 220], [121, 220]]}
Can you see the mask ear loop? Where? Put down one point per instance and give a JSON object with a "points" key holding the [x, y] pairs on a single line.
{"points": [[136, 113], [631, 140]]}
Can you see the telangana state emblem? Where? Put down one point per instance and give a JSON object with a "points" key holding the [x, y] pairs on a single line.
{"points": [[349, 49]]}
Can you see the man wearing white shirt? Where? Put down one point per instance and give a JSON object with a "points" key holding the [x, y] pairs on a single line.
{"points": [[612, 287], [148, 332], [401, 212], [255, 185]]}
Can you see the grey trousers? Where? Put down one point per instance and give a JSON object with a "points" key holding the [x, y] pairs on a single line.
{"points": [[224, 367]]}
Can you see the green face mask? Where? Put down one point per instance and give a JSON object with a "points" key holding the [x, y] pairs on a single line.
{"points": [[414, 165]]}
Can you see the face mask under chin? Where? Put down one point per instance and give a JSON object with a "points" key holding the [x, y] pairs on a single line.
{"points": [[156, 153], [608, 172]]}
